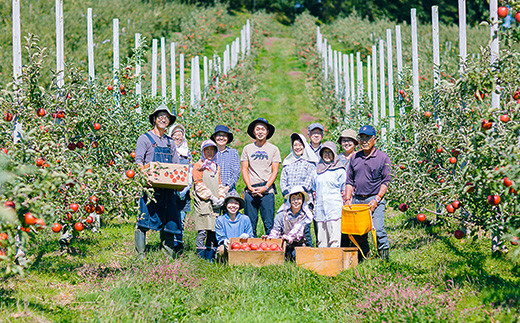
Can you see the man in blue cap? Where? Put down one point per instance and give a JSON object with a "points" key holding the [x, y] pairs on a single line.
{"points": [[368, 175], [260, 164]]}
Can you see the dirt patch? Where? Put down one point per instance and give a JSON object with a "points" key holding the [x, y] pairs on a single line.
{"points": [[295, 73], [269, 41], [265, 99], [307, 117]]}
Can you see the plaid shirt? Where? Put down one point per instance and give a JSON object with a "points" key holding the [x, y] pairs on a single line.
{"points": [[301, 172], [229, 163]]}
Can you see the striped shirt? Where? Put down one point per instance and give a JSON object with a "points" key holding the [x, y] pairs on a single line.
{"points": [[229, 163]]}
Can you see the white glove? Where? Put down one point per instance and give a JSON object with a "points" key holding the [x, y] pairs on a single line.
{"points": [[286, 238], [214, 200], [220, 202], [244, 236], [226, 243]]}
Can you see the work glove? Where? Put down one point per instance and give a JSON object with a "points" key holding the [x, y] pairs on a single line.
{"points": [[287, 238], [226, 243], [214, 201], [244, 236], [220, 202]]}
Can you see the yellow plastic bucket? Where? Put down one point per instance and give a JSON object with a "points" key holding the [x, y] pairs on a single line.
{"points": [[356, 219]]}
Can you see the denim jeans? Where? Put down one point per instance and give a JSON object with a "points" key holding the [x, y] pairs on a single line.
{"points": [[378, 219], [264, 204]]}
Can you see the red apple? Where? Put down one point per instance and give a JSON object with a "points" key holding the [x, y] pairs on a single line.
{"points": [[421, 217], [459, 234]]}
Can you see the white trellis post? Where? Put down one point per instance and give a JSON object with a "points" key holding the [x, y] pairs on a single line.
{"points": [[382, 77], [243, 42], [181, 79], [154, 67], [390, 70], [346, 81], [318, 39], [335, 70], [399, 52], [17, 42], [138, 68], [340, 71], [90, 45], [173, 67], [415, 60], [226, 60], [435, 41], [248, 34], [198, 95], [206, 74], [325, 61], [330, 58], [494, 30], [462, 35], [60, 64], [115, 44], [352, 79], [375, 112], [359, 78], [369, 78], [163, 68], [193, 82]]}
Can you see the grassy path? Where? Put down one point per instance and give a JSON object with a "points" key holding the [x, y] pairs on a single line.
{"points": [[282, 98]]}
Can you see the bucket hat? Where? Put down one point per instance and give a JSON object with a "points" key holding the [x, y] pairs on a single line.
{"points": [[252, 125], [297, 189], [162, 108], [234, 195], [222, 128], [350, 134]]}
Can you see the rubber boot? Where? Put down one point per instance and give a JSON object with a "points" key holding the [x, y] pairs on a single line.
{"points": [[168, 243], [201, 253], [384, 254], [209, 254], [140, 243]]}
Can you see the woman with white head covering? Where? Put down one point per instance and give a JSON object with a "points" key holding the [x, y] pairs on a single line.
{"points": [[299, 168], [207, 200], [329, 186], [183, 199]]}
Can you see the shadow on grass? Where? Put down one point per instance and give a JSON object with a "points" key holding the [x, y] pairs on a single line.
{"points": [[471, 264]]}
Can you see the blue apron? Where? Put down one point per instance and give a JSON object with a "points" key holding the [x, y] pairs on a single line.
{"points": [[163, 214]]}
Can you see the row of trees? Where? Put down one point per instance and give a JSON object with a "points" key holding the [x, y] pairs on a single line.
{"points": [[329, 10]]}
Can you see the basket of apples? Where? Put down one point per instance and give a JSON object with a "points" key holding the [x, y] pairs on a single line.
{"points": [[256, 251]]}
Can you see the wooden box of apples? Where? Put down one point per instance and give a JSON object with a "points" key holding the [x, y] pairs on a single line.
{"points": [[256, 251], [165, 175]]}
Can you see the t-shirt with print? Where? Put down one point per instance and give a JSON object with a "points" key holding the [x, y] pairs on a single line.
{"points": [[260, 160]]}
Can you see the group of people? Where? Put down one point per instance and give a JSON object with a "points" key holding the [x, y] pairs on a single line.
{"points": [[316, 182]]}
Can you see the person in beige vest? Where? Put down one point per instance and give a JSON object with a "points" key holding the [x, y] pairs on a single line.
{"points": [[208, 198]]}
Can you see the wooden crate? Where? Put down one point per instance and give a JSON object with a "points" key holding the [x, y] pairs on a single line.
{"points": [[166, 175], [326, 261], [257, 258]]}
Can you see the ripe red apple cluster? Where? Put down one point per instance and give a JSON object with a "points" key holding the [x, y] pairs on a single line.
{"points": [[244, 246]]}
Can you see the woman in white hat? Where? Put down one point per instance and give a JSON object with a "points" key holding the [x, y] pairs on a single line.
{"points": [[348, 141], [207, 200], [291, 219], [162, 214]]}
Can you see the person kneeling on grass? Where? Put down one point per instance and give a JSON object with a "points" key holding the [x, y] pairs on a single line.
{"points": [[232, 224], [291, 219]]}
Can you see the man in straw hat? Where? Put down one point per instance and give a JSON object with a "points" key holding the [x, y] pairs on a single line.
{"points": [[260, 164], [162, 214]]}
